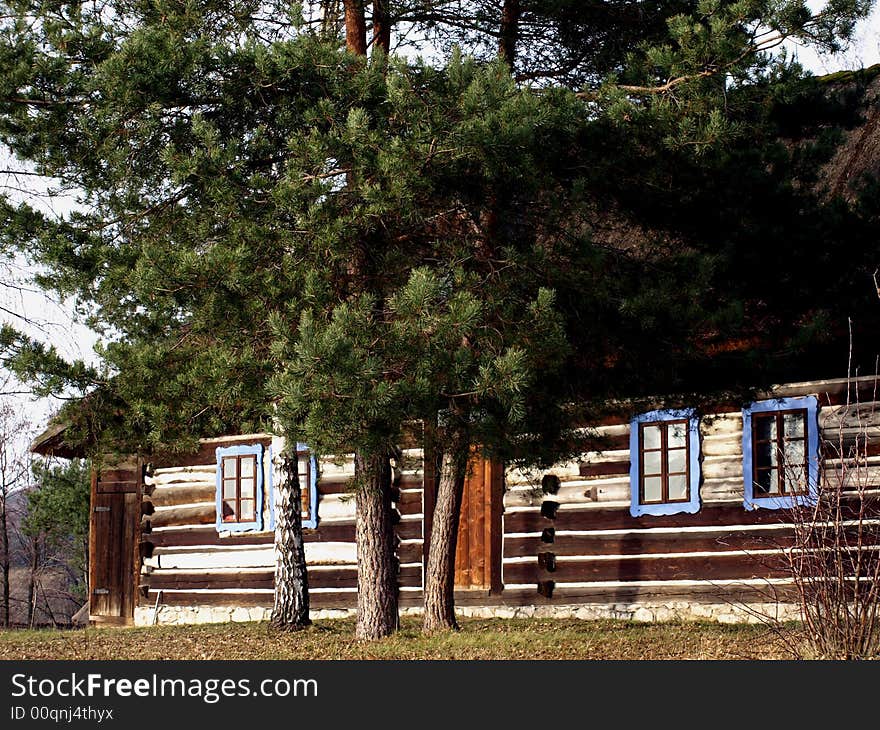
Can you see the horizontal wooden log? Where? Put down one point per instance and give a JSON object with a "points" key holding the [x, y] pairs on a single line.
{"points": [[337, 506], [317, 601], [722, 467], [602, 469], [205, 455], [325, 532], [725, 445], [411, 552], [204, 469], [410, 502], [691, 567], [200, 514], [617, 518], [341, 577], [167, 496], [705, 592], [181, 478], [203, 557], [646, 542]]}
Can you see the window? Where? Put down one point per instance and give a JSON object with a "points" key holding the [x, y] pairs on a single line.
{"points": [[781, 452], [665, 463], [307, 469], [240, 488]]}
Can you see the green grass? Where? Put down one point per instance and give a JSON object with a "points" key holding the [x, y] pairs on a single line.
{"points": [[333, 639]]}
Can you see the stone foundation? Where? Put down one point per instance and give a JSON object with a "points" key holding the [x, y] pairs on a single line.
{"points": [[644, 612]]}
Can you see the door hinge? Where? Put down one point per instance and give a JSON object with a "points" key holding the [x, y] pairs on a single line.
{"points": [[101, 591], [102, 509]]}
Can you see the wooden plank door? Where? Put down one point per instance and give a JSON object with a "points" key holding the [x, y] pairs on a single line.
{"points": [[113, 543], [478, 553]]}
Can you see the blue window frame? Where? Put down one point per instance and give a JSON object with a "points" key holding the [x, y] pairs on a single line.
{"points": [[781, 452], [307, 468], [665, 463], [240, 488]]}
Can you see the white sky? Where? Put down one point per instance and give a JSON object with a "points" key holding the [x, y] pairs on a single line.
{"points": [[55, 322]]}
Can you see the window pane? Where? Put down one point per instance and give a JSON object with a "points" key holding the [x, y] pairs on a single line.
{"points": [[677, 460], [228, 511], [678, 487], [766, 455], [767, 482], [651, 437], [677, 435], [653, 463], [653, 489], [247, 510], [765, 427], [248, 487], [794, 453], [247, 466], [229, 465], [796, 480], [793, 425], [229, 489]]}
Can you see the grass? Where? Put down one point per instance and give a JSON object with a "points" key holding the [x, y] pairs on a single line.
{"points": [[333, 639]]}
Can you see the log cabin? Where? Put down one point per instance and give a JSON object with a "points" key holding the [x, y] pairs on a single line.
{"points": [[677, 508], [677, 511]]}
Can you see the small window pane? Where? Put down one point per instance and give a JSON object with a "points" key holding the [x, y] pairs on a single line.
{"points": [[248, 487], [247, 466], [653, 489], [766, 455], [228, 511], [765, 428], [247, 510], [678, 488], [677, 460], [794, 453], [796, 480], [677, 435], [767, 481], [653, 462], [793, 425], [651, 437], [229, 467], [229, 489]]}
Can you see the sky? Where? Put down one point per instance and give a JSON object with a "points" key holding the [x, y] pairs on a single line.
{"points": [[55, 322]]}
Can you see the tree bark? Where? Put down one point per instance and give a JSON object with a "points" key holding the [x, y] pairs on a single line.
{"points": [[291, 609], [377, 564], [4, 552], [440, 571], [509, 31], [381, 26], [32, 585], [355, 27]]}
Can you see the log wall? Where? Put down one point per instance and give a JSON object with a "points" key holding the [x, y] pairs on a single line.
{"points": [[187, 562], [576, 542]]}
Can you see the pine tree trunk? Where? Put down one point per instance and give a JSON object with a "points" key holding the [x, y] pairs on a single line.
{"points": [[381, 26], [291, 609], [440, 571], [377, 564], [355, 27], [4, 552], [509, 31]]}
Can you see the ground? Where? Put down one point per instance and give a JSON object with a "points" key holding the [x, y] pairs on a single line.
{"points": [[478, 639]]}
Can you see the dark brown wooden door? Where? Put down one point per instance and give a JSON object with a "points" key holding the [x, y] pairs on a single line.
{"points": [[113, 543], [478, 554]]}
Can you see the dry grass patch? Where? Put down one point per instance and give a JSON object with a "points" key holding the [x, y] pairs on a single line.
{"points": [[478, 639]]}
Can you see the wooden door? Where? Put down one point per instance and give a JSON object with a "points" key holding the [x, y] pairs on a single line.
{"points": [[478, 554], [114, 559]]}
